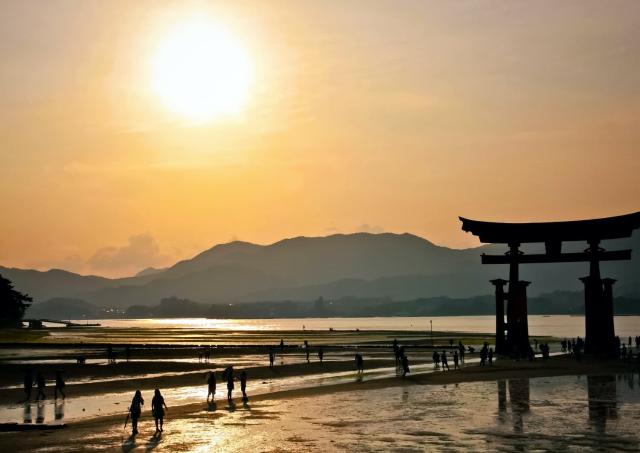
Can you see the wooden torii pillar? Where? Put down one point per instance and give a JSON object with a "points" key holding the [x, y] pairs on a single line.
{"points": [[501, 344]]}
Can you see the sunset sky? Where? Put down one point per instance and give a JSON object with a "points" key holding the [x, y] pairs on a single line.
{"points": [[347, 116]]}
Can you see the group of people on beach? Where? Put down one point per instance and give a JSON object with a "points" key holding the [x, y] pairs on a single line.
{"points": [[307, 350], [158, 408], [158, 405], [402, 361], [38, 379]]}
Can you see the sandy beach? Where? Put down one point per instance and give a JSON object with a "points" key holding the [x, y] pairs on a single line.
{"points": [[107, 432]]}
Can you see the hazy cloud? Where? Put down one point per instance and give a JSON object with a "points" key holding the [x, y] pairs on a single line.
{"points": [[366, 228], [140, 252]]}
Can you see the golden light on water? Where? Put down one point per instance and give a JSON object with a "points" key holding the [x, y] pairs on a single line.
{"points": [[201, 71]]}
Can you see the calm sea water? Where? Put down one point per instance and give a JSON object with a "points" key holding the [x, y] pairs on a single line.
{"points": [[555, 325]]}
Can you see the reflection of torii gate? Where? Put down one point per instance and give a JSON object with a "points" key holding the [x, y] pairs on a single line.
{"points": [[513, 335]]}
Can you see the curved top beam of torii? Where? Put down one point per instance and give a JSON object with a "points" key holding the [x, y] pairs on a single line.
{"points": [[573, 230]]}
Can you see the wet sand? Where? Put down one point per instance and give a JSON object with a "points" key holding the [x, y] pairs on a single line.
{"points": [[107, 432]]}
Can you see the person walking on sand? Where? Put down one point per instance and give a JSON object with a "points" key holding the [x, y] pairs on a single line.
{"points": [[445, 363], [320, 354], [28, 383], [455, 360], [230, 385], [211, 383], [243, 385], [158, 407], [135, 410], [405, 365], [40, 382], [59, 385]]}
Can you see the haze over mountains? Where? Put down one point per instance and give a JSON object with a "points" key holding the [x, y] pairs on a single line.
{"points": [[393, 266]]}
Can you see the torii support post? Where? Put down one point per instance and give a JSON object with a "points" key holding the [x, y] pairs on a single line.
{"points": [[517, 324], [608, 329], [500, 326], [598, 315]]}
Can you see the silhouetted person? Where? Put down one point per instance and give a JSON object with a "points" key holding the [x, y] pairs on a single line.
{"points": [[40, 382], [359, 363], [405, 365], [455, 360], [211, 384], [490, 356], [271, 358], [157, 409], [281, 344], [59, 385], [230, 384], [243, 385], [461, 351], [136, 410], [436, 359], [443, 359], [396, 351], [320, 354], [306, 349], [629, 340], [28, 383]]}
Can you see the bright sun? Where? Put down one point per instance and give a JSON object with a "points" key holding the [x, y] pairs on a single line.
{"points": [[201, 72]]}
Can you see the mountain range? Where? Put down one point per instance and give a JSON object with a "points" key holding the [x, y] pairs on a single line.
{"points": [[386, 265]]}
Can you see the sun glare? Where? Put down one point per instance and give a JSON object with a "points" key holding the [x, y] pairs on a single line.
{"points": [[201, 72]]}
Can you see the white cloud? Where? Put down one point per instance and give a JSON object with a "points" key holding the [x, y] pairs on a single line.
{"points": [[140, 252]]}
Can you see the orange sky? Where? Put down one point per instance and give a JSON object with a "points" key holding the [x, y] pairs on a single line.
{"points": [[363, 115]]}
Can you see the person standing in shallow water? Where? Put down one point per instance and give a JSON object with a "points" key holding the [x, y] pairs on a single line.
{"points": [[445, 363], [455, 360], [136, 410], [405, 365], [320, 354], [230, 385], [211, 383], [243, 385], [158, 407]]}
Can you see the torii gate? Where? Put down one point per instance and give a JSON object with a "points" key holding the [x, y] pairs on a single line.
{"points": [[513, 335]]}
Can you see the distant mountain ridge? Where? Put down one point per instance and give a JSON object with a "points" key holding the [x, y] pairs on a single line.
{"points": [[396, 266]]}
